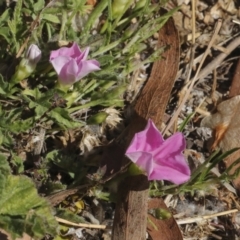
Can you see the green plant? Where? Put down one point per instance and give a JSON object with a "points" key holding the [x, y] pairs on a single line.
{"points": [[31, 101], [202, 178]]}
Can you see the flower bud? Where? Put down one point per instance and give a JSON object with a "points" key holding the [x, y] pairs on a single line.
{"points": [[28, 64], [97, 118], [33, 54], [160, 213]]}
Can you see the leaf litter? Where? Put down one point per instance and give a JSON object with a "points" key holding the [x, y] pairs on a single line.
{"points": [[203, 99], [212, 200]]}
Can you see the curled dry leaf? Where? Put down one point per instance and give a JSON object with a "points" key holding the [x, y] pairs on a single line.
{"points": [[226, 126]]}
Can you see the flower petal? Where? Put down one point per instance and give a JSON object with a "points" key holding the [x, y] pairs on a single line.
{"points": [[85, 67], [143, 160], [59, 62], [170, 147], [147, 140], [74, 51], [68, 74], [83, 56], [33, 54], [177, 162], [171, 174]]}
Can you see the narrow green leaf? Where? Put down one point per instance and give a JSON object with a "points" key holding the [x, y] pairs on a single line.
{"points": [[39, 5], [51, 18], [4, 32], [63, 118], [186, 121], [5, 16], [33, 92]]}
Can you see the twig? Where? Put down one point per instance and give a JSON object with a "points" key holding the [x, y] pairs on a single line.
{"points": [[236, 21], [84, 225], [214, 87], [218, 60], [33, 25], [198, 58], [216, 236], [193, 21], [196, 77], [203, 218], [191, 63]]}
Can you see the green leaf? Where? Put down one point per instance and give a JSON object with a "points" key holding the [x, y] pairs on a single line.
{"points": [[5, 88], [186, 121], [5, 138], [22, 210], [63, 118], [105, 59], [40, 110], [4, 166], [4, 172], [11, 225], [66, 214], [17, 12], [33, 92], [22, 190], [19, 126], [17, 163], [4, 32], [39, 5], [67, 162], [41, 101], [95, 14], [51, 18], [5, 16]]}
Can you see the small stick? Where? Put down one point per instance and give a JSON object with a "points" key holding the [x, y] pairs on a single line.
{"points": [[236, 21], [191, 64], [218, 60], [216, 236], [214, 87], [202, 218], [193, 22], [198, 58], [84, 225]]}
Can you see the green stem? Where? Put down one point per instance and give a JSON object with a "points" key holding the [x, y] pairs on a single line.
{"points": [[98, 10], [106, 48], [64, 20]]}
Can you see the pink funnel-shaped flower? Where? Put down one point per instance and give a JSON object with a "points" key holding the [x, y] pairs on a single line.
{"points": [[71, 64], [161, 159]]}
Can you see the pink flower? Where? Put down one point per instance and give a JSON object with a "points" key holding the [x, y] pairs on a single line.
{"points": [[161, 159], [71, 64]]}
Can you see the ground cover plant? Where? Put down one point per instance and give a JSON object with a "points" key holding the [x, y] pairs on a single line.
{"points": [[66, 69]]}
